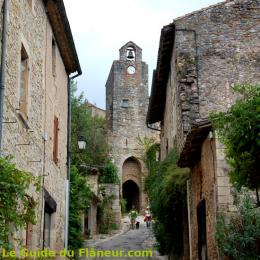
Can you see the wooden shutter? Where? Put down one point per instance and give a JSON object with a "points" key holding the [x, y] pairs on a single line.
{"points": [[56, 140]]}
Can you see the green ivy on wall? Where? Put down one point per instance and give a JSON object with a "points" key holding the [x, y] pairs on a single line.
{"points": [[166, 188]]}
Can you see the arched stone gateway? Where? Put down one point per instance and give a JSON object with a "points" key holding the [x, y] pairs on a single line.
{"points": [[131, 194], [131, 180]]}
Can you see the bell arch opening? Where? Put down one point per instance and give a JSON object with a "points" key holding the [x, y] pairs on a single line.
{"points": [[131, 194]]}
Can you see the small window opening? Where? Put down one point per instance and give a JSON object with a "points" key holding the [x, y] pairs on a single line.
{"points": [[125, 103], [24, 82]]}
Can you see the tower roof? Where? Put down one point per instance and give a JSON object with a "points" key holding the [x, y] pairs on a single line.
{"points": [[130, 44], [123, 51]]}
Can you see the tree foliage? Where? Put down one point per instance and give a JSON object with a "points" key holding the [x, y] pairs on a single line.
{"points": [[238, 237], [17, 208], [92, 128], [239, 130], [109, 174], [166, 188], [80, 198]]}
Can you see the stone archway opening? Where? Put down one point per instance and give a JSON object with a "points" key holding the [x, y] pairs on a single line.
{"points": [[131, 194]]}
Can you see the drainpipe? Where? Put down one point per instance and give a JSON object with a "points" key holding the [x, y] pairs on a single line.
{"points": [[66, 238], [2, 72]]}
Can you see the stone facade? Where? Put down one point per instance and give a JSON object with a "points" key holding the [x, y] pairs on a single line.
{"points": [[96, 111], [126, 108], [29, 134], [110, 189], [212, 50], [89, 223]]}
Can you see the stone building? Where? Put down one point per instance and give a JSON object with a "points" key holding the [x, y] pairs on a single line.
{"points": [[201, 55], [40, 56], [96, 111], [89, 219], [126, 108]]}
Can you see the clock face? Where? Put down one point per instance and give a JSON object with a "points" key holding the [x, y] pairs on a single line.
{"points": [[131, 70]]}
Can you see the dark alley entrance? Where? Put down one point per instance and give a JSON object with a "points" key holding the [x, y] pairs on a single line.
{"points": [[131, 195]]}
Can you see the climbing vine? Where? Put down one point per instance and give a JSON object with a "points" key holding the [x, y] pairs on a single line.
{"points": [[239, 130], [166, 188], [17, 208]]}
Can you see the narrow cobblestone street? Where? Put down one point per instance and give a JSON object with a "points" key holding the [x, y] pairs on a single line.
{"points": [[127, 240]]}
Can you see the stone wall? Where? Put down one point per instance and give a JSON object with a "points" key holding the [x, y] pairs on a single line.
{"points": [[227, 43], [114, 190], [30, 138], [215, 48]]}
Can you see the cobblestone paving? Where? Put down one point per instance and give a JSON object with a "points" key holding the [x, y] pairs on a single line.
{"points": [[133, 241]]}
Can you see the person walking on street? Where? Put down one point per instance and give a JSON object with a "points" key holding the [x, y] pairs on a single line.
{"points": [[148, 217], [133, 215]]}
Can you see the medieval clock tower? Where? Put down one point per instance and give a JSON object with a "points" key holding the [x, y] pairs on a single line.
{"points": [[126, 108]]}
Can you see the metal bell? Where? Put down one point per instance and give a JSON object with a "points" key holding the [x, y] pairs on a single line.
{"points": [[130, 55]]}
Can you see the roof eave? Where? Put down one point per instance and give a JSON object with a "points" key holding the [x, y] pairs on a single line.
{"points": [[61, 29], [191, 152], [160, 76]]}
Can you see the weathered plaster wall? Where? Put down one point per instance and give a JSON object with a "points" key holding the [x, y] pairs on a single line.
{"points": [[202, 186]]}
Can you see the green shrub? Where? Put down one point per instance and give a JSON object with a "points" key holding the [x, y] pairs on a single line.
{"points": [[123, 205], [109, 174], [238, 129], [166, 187], [80, 198], [16, 207], [238, 236]]}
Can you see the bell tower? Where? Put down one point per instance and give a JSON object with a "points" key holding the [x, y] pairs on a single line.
{"points": [[126, 108], [127, 91]]}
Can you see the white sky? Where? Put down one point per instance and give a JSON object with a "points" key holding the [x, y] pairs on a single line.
{"points": [[101, 27]]}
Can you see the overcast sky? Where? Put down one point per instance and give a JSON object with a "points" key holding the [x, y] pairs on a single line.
{"points": [[101, 27]]}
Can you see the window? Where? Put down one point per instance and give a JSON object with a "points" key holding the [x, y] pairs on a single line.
{"points": [[125, 103], [50, 207], [24, 82], [56, 140], [53, 58]]}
